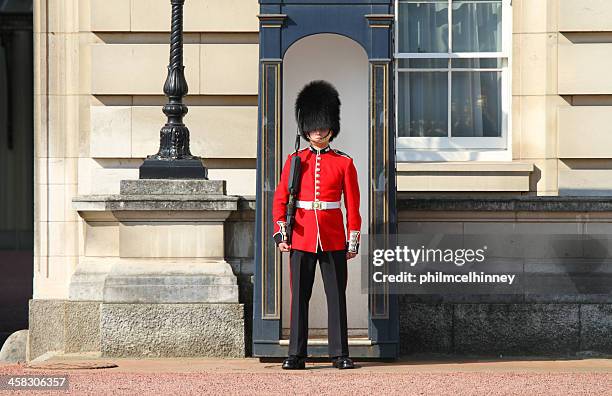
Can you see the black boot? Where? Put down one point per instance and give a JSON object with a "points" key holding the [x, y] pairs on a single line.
{"points": [[343, 362], [294, 363]]}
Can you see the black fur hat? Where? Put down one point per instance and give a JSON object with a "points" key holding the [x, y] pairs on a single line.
{"points": [[318, 107]]}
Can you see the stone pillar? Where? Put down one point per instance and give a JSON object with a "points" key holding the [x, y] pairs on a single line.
{"points": [[168, 291]]}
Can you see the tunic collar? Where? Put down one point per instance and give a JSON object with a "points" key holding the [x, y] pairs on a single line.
{"points": [[320, 151]]}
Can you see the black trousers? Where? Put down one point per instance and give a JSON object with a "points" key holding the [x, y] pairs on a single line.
{"points": [[334, 273]]}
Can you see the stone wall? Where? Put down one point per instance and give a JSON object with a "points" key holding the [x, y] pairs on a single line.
{"points": [[554, 324]]}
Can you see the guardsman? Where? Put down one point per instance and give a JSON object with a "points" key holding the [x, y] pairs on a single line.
{"points": [[318, 232]]}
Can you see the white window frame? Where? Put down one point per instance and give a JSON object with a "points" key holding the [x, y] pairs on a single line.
{"points": [[459, 148]]}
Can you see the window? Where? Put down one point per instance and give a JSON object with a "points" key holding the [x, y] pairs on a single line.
{"points": [[452, 84]]}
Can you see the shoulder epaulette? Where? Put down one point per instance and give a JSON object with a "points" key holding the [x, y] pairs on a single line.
{"points": [[342, 153]]}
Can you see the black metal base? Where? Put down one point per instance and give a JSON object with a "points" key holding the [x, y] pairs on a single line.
{"points": [[173, 169]]}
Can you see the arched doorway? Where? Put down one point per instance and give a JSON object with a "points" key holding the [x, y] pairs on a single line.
{"points": [[344, 63]]}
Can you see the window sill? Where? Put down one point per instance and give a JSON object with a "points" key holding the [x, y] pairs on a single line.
{"points": [[498, 176], [403, 154]]}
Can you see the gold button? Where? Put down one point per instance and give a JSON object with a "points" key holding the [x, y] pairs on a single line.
{"points": [[318, 193]]}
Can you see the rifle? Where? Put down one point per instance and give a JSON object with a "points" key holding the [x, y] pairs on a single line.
{"points": [[293, 184]]}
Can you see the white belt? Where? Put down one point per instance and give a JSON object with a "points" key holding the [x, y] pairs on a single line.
{"points": [[317, 204]]}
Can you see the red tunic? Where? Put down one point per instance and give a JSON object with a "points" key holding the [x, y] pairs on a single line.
{"points": [[335, 175]]}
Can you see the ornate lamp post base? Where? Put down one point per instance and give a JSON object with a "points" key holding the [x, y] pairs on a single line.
{"points": [[173, 169]]}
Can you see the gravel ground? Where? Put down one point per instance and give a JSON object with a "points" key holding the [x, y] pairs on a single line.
{"points": [[321, 379]]}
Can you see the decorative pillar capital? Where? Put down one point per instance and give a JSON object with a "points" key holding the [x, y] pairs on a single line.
{"points": [[380, 20], [271, 20]]}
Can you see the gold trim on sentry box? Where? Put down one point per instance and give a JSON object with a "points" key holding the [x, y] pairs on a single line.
{"points": [[269, 67], [374, 69]]}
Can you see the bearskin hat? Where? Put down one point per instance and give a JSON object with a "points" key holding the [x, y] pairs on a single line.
{"points": [[318, 107]]}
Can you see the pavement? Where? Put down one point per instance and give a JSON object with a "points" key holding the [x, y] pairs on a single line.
{"points": [[250, 376]]}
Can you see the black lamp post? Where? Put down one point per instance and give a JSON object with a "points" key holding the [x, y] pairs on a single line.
{"points": [[174, 159]]}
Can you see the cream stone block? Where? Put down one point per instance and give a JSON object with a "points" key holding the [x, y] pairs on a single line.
{"points": [[40, 63], [585, 15], [474, 181], [85, 15], [85, 166], [535, 16], [53, 279], [235, 124], [111, 132], [154, 15], [63, 127], [539, 126], [239, 181], [41, 202], [57, 199], [544, 178], [63, 237], [516, 64], [56, 170], [538, 64], [465, 166], [63, 63], [229, 69], [223, 16], [41, 238], [86, 40], [61, 16], [40, 98], [101, 239], [147, 122], [40, 127], [595, 182], [516, 127], [517, 6], [199, 16], [108, 180], [214, 131], [39, 16], [150, 239], [104, 176], [585, 68], [84, 125], [110, 15], [70, 191], [41, 170], [138, 69], [585, 132]]}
